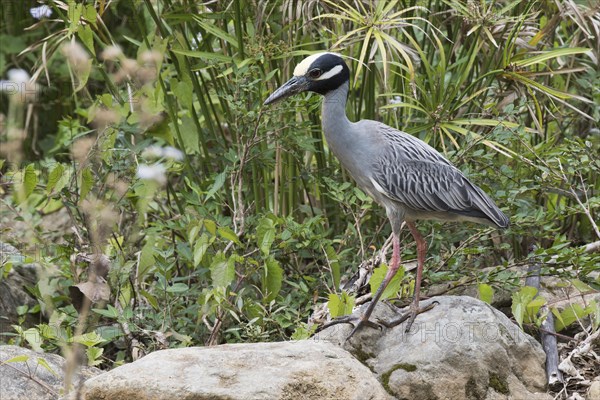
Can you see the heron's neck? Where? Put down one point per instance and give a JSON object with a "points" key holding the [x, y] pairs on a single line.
{"points": [[334, 119]]}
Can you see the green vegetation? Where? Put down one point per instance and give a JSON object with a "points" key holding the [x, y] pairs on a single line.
{"points": [[241, 235], [499, 384]]}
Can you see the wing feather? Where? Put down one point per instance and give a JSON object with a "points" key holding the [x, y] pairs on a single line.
{"points": [[414, 174]]}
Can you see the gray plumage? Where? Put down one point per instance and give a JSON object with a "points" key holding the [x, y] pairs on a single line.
{"points": [[416, 176], [402, 173]]}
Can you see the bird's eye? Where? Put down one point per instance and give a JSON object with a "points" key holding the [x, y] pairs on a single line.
{"points": [[315, 73]]}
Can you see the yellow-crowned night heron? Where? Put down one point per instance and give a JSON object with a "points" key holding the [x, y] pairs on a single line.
{"points": [[400, 172]]}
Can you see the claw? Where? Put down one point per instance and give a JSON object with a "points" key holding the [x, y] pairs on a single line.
{"points": [[357, 322], [414, 310]]}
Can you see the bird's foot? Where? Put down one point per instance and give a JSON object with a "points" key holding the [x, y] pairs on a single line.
{"points": [[410, 315], [357, 321]]}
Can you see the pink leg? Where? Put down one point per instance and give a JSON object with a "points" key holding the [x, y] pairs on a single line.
{"points": [[414, 309], [421, 250], [364, 318], [392, 269]]}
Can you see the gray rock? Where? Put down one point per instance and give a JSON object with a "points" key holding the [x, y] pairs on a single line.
{"points": [[286, 370], [31, 378], [462, 349], [594, 390]]}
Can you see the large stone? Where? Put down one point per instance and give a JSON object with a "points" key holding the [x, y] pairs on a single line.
{"points": [[303, 370], [32, 379], [461, 349]]}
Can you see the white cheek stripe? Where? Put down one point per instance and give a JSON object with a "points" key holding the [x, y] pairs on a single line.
{"points": [[302, 68], [332, 72]]}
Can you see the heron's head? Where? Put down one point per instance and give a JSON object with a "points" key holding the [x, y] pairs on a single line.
{"points": [[317, 73]]}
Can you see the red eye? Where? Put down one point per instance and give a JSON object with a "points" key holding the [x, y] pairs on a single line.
{"points": [[315, 73]]}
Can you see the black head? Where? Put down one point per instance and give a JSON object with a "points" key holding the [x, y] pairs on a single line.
{"points": [[319, 73]]}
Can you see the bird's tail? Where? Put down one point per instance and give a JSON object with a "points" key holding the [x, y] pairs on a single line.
{"points": [[488, 208]]}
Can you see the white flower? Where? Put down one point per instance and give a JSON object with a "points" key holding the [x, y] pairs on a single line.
{"points": [[41, 12], [396, 100], [112, 53], [150, 57], [17, 80], [173, 153], [18, 76], [159, 152], [154, 172], [18, 83], [77, 56], [152, 152]]}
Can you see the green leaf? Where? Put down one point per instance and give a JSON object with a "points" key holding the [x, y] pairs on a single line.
{"points": [[151, 299], [393, 286], [178, 287], [30, 180], [217, 32], [210, 226], [110, 312], [204, 55], [533, 308], [87, 182], [46, 366], [340, 305], [83, 74], [193, 232], [520, 300], [581, 286], [538, 86], [217, 185], [334, 264], [571, 314], [303, 331], [200, 248], [21, 358], [222, 270], [273, 277], [93, 355], [549, 55], [146, 259], [74, 15], [88, 339], [189, 135], [518, 311], [183, 92], [228, 234], [33, 337], [54, 177], [90, 14], [265, 235], [486, 293], [87, 37]]}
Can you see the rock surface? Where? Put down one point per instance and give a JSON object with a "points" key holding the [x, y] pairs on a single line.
{"points": [[462, 349], [32, 379], [303, 370], [594, 390]]}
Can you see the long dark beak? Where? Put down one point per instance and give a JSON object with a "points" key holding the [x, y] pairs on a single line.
{"points": [[294, 86]]}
